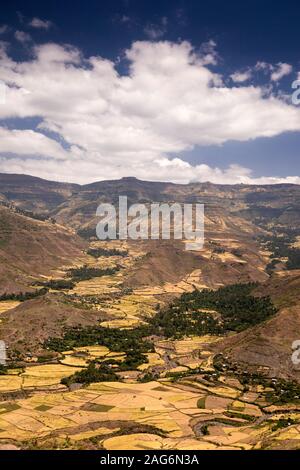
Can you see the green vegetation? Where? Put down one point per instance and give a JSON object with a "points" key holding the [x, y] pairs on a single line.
{"points": [[233, 309], [47, 357], [26, 213], [282, 391], [219, 250], [237, 414], [148, 377], [87, 272], [272, 265], [22, 296], [236, 310], [133, 360], [93, 373], [283, 423], [105, 371], [294, 259], [114, 339], [57, 284], [43, 408], [236, 252], [3, 370], [5, 231], [6, 407], [201, 403], [87, 233], [131, 342], [280, 246], [98, 252], [204, 430]]}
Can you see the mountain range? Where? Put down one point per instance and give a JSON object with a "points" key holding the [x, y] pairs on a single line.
{"points": [[55, 274]]}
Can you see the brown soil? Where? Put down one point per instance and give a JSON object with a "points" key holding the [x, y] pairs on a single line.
{"points": [[30, 248], [26, 327]]}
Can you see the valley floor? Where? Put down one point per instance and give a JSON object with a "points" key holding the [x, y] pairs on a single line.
{"points": [[184, 403]]}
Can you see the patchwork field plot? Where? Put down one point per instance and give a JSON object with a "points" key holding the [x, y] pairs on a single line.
{"points": [[157, 415], [8, 305], [130, 311], [168, 395], [35, 377], [81, 357]]}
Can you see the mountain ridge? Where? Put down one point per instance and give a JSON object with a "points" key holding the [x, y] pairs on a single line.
{"points": [[133, 178]]}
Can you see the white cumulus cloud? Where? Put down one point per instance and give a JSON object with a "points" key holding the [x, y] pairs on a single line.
{"points": [[21, 36], [156, 31], [277, 72], [115, 125], [281, 71], [241, 77], [40, 24], [28, 142]]}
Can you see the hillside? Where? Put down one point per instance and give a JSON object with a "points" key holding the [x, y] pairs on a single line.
{"points": [[45, 316], [143, 339], [75, 205], [30, 248], [268, 346]]}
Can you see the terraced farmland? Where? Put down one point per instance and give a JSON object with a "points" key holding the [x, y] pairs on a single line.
{"points": [[132, 314]]}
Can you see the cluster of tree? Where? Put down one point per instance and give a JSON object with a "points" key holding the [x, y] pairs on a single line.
{"points": [[131, 342], [219, 250], [279, 391], [294, 259], [93, 373], [22, 296], [87, 272], [283, 392], [114, 339], [281, 247], [3, 370], [148, 377], [106, 371], [236, 309], [87, 233], [283, 423], [98, 252], [204, 430], [236, 252], [57, 284], [272, 265], [132, 360], [233, 309], [26, 213]]}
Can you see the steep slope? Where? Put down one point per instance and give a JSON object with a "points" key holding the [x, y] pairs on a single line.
{"points": [[268, 346], [30, 248], [75, 205], [26, 327], [34, 194], [230, 253]]}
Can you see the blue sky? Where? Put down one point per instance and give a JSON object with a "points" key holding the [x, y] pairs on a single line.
{"points": [[246, 53]]}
